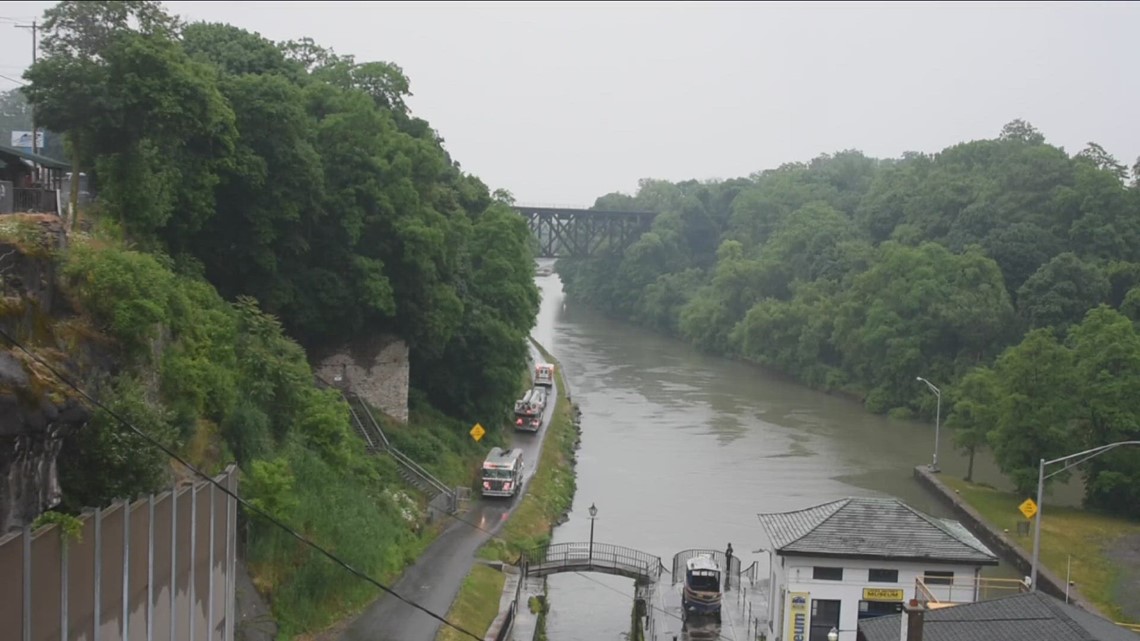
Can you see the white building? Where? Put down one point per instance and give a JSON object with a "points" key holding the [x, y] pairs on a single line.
{"points": [[855, 558]]}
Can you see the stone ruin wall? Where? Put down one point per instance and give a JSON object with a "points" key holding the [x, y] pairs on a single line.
{"points": [[375, 369]]}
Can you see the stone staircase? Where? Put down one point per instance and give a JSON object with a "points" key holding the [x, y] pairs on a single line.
{"points": [[442, 498]]}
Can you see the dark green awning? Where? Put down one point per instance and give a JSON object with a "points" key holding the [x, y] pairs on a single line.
{"points": [[50, 163]]}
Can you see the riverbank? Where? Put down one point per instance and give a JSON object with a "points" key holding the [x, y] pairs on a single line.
{"points": [[544, 505], [1089, 546]]}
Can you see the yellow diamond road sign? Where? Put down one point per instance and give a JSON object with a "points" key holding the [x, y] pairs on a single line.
{"points": [[477, 432], [1028, 508]]}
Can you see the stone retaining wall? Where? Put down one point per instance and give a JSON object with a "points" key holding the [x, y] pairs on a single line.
{"points": [[376, 369], [999, 542]]}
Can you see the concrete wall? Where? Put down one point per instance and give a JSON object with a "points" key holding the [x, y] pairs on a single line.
{"points": [[997, 541], [376, 369]]}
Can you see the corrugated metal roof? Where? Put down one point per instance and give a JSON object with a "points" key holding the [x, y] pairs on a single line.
{"points": [[50, 163], [1032, 616], [871, 527]]}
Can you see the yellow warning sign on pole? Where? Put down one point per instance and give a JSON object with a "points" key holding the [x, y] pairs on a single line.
{"points": [[1028, 508], [477, 432]]}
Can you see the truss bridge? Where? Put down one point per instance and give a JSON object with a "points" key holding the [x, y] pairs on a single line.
{"points": [[564, 232]]}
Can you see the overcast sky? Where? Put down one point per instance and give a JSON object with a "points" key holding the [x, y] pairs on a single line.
{"points": [[561, 104]]}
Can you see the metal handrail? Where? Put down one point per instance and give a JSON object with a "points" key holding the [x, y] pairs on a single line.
{"points": [[375, 424], [977, 589], [416, 469], [601, 554], [360, 428], [411, 466]]}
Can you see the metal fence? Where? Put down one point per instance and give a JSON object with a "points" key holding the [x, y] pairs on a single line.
{"points": [[157, 569], [41, 201], [506, 622]]}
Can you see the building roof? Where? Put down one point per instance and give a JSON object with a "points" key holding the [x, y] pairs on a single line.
{"points": [[702, 562], [50, 163], [873, 528], [1031, 616]]}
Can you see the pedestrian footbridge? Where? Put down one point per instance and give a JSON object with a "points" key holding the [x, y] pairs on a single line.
{"points": [[592, 557]]}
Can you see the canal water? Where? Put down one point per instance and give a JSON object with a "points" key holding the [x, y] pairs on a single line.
{"points": [[682, 450]]}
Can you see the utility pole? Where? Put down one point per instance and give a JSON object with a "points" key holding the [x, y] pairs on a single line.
{"points": [[35, 26]]}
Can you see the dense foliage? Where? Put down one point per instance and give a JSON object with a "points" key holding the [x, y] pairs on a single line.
{"points": [[223, 381], [257, 199], [1003, 270], [298, 177]]}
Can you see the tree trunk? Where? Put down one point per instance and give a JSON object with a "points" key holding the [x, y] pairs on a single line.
{"points": [[970, 467], [73, 203]]}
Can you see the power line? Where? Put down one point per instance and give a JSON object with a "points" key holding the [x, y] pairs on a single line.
{"points": [[228, 492], [19, 82]]}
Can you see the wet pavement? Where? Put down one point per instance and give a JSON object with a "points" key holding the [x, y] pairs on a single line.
{"points": [[434, 580]]}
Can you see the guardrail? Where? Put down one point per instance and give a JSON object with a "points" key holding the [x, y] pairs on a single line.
{"points": [[751, 572], [571, 557], [507, 623], [682, 558], [931, 589]]}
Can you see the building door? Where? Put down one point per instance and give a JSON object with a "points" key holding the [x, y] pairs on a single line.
{"points": [[824, 617]]}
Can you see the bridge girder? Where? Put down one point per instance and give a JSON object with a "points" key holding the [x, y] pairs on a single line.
{"points": [[563, 232]]}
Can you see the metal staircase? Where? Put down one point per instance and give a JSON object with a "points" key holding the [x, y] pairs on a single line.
{"points": [[368, 428]]}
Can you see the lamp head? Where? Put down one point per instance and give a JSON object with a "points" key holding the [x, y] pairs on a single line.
{"points": [[593, 510], [833, 635]]}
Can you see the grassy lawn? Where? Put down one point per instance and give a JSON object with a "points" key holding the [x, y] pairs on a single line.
{"points": [[477, 604], [1087, 536]]}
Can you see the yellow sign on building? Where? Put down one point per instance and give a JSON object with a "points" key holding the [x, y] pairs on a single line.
{"points": [[883, 594], [1028, 508], [477, 432], [798, 616]]}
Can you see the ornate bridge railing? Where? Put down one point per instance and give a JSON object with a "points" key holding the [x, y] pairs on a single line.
{"points": [[600, 557]]}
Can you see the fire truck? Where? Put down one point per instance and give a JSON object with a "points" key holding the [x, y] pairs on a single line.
{"points": [[502, 472], [544, 375]]}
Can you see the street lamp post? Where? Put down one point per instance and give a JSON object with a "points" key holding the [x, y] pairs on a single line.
{"points": [[1041, 476], [593, 515], [937, 421]]}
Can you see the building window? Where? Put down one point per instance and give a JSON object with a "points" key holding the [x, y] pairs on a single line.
{"points": [[883, 576], [872, 609], [938, 578], [827, 574]]}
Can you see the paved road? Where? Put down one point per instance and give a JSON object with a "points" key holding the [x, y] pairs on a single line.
{"points": [[435, 578]]}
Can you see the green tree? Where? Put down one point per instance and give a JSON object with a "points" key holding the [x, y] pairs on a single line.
{"points": [[975, 413]]}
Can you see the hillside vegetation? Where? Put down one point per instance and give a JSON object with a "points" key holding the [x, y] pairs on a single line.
{"points": [[1005, 271], [255, 200]]}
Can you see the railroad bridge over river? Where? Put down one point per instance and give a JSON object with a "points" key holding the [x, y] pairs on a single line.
{"points": [[657, 603], [565, 231]]}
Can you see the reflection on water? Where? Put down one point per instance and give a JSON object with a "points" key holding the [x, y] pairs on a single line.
{"points": [[682, 450]]}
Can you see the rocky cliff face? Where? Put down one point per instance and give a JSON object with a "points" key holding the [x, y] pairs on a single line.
{"points": [[36, 410]]}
